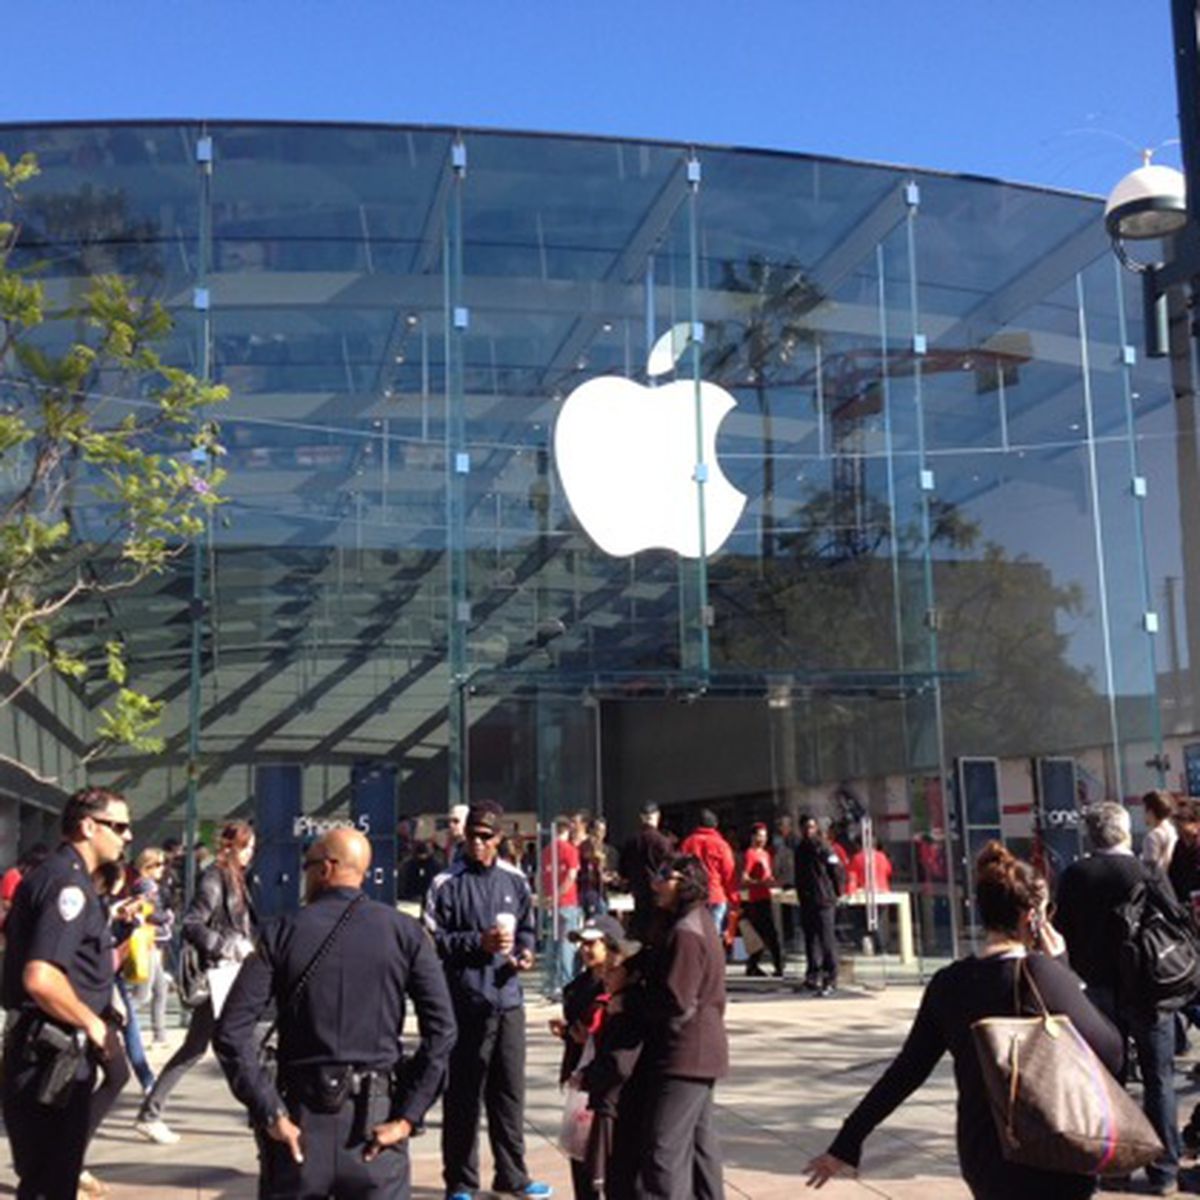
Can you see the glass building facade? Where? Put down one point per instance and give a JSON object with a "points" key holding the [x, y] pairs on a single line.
{"points": [[962, 595]]}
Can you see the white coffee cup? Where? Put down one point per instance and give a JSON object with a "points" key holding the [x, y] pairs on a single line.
{"points": [[506, 923]]}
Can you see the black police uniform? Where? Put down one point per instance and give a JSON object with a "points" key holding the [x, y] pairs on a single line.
{"points": [[488, 1063], [56, 918], [339, 1043]]}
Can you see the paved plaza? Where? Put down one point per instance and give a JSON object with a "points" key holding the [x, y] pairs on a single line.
{"points": [[799, 1063]]}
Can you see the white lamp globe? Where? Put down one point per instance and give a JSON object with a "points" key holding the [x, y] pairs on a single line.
{"points": [[1150, 202]]}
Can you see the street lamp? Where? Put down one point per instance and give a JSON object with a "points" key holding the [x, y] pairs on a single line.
{"points": [[1148, 203], [1160, 203]]}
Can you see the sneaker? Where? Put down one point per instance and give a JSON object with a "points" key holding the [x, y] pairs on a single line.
{"points": [[89, 1185], [537, 1190], [827, 990], [459, 1195], [156, 1131]]}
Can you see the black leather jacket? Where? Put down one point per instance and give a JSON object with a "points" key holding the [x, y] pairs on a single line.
{"points": [[218, 916]]}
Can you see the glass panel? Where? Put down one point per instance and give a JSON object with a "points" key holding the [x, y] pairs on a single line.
{"points": [[575, 260]]}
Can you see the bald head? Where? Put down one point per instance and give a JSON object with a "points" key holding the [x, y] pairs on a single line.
{"points": [[348, 854]]}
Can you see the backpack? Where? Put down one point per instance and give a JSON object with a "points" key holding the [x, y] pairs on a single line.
{"points": [[1158, 958]]}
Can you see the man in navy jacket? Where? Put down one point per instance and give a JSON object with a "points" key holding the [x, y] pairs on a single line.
{"points": [[480, 914]]}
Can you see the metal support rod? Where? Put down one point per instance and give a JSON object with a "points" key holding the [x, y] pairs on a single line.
{"points": [[198, 607]]}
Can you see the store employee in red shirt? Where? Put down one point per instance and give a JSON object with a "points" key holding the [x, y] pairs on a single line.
{"points": [[560, 876], [758, 872]]}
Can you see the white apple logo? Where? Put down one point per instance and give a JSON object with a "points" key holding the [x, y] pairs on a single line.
{"points": [[626, 455]]}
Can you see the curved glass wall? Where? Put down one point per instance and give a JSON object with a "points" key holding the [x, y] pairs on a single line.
{"points": [[960, 510]]}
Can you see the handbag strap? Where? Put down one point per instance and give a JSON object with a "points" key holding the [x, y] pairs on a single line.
{"points": [[314, 962], [1024, 972], [1014, 1050]]}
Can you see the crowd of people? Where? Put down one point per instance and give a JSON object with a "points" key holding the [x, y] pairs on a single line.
{"points": [[334, 1095]]}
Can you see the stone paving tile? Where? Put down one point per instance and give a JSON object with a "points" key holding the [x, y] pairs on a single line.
{"points": [[799, 1065]]}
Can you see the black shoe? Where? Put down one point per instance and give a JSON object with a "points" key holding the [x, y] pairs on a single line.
{"points": [[1162, 1187], [1190, 1136], [811, 985], [755, 970]]}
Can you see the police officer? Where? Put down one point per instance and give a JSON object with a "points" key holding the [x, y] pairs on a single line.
{"points": [[480, 913], [339, 971], [57, 987]]}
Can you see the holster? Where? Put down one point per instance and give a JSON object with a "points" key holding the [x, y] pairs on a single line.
{"points": [[57, 1054], [373, 1103]]}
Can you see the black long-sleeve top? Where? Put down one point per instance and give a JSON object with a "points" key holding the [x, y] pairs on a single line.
{"points": [[352, 1010], [958, 996], [579, 1001]]}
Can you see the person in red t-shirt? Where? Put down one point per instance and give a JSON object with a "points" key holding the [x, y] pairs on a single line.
{"points": [[706, 843], [560, 883], [11, 878], [856, 872], [758, 871], [856, 881]]}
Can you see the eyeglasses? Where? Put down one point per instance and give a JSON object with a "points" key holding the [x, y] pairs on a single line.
{"points": [[316, 862], [480, 835], [118, 827]]}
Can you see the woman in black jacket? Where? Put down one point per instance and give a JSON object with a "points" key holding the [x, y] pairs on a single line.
{"points": [[686, 1049], [1011, 897], [219, 922]]}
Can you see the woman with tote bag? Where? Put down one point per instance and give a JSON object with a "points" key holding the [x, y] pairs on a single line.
{"points": [[1011, 898], [219, 922]]}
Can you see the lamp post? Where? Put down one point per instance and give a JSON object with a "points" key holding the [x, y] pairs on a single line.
{"points": [[1160, 203]]}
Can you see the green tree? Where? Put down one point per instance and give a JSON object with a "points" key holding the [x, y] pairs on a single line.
{"points": [[108, 471]]}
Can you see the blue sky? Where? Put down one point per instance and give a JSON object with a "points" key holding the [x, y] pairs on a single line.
{"points": [[1056, 92]]}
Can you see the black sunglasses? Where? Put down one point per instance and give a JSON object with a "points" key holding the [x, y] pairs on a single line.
{"points": [[118, 827], [316, 862]]}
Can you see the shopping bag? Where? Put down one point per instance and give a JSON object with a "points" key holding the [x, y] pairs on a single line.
{"points": [[139, 959], [753, 943], [576, 1123], [220, 981]]}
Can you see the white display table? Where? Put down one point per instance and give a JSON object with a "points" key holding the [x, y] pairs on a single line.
{"points": [[900, 901]]}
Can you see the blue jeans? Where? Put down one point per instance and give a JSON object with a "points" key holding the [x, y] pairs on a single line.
{"points": [[1154, 1041], [570, 918], [134, 1049], [718, 915]]}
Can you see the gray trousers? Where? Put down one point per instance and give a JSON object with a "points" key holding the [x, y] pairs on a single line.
{"points": [[681, 1157]]}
